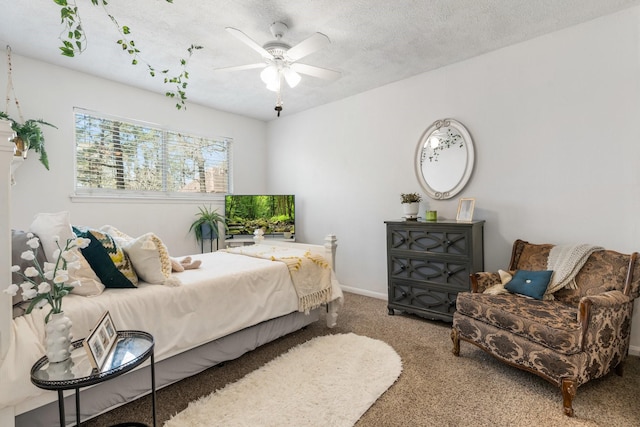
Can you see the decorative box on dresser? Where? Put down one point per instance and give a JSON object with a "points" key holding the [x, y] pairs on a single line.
{"points": [[428, 263]]}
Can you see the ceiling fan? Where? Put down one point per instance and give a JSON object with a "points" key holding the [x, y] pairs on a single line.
{"points": [[280, 59]]}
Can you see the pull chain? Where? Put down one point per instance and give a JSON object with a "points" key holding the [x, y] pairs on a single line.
{"points": [[278, 102]]}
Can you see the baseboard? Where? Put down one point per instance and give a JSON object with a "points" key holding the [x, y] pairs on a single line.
{"points": [[364, 292], [634, 350]]}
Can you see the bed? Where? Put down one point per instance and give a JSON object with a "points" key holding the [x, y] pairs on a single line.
{"points": [[233, 303]]}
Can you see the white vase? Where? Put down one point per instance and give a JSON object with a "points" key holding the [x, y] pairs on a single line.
{"points": [[58, 338], [411, 210]]}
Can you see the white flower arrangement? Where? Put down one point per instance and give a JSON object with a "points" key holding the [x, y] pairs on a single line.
{"points": [[55, 282]]}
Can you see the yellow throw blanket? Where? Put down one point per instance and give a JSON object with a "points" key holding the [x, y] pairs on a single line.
{"points": [[310, 274]]}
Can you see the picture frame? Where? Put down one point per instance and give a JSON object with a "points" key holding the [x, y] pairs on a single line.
{"points": [[465, 209], [100, 341]]}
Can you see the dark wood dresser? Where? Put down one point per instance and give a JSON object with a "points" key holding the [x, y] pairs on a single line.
{"points": [[428, 263]]}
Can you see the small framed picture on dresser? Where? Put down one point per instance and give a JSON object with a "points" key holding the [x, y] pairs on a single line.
{"points": [[100, 341], [465, 209]]}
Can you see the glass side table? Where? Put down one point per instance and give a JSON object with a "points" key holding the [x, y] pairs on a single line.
{"points": [[131, 349]]}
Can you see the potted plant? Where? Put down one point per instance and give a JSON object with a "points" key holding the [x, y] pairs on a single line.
{"points": [[205, 227], [411, 204], [29, 136]]}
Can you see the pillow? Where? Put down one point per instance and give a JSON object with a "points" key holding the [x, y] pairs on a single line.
{"points": [[120, 237], [150, 258], [505, 277], [107, 259], [48, 226], [18, 246], [530, 283], [90, 284]]}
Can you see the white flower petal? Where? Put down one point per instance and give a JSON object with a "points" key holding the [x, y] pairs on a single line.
{"points": [[61, 277], [26, 286], [12, 289], [15, 268], [33, 243], [28, 255], [44, 287], [28, 294], [31, 272]]}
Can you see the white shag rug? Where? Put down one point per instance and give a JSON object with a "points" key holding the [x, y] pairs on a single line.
{"points": [[327, 381]]}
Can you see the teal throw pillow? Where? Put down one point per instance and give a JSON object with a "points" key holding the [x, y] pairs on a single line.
{"points": [[530, 283]]}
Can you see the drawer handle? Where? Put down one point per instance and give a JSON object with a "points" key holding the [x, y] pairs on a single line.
{"points": [[404, 294]]}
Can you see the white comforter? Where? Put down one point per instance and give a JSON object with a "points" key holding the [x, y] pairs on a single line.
{"points": [[227, 293]]}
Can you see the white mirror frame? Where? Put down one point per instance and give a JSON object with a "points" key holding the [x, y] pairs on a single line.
{"points": [[447, 193]]}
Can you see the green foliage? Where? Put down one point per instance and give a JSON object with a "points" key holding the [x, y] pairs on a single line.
{"points": [[207, 217], [274, 214], [74, 41], [31, 133], [410, 197]]}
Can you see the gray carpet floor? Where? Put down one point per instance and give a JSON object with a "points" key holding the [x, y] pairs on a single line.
{"points": [[435, 387]]}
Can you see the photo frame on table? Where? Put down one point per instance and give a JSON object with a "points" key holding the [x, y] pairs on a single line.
{"points": [[100, 341], [465, 209]]}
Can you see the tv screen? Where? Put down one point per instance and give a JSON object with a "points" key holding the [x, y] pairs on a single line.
{"points": [[275, 214]]}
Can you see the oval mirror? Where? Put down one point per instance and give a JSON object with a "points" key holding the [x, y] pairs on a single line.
{"points": [[444, 159]]}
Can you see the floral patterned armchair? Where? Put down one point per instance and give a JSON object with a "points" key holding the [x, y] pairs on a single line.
{"points": [[582, 334]]}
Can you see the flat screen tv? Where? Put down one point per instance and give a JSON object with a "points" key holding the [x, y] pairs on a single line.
{"points": [[275, 214]]}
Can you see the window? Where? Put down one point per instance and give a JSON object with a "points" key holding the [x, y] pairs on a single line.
{"points": [[122, 157]]}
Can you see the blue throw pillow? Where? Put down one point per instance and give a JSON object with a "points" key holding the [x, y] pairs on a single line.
{"points": [[529, 283]]}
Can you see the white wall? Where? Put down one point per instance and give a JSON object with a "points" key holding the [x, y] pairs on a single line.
{"points": [[50, 93], [555, 121]]}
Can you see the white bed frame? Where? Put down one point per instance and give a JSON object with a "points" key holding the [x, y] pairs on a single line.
{"points": [[168, 370]]}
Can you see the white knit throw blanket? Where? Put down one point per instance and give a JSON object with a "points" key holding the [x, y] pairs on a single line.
{"points": [[310, 274], [566, 261]]}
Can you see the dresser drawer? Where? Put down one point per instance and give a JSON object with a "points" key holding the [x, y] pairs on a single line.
{"points": [[431, 302], [445, 272], [438, 241]]}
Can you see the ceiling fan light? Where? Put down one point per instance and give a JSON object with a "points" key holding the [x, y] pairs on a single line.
{"points": [[270, 75], [291, 77], [274, 85]]}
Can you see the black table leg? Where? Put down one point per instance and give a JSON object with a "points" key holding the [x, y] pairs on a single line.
{"points": [[77, 407], [61, 408], [153, 389]]}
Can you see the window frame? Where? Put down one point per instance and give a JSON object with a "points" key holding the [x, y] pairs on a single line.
{"points": [[115, 195]]}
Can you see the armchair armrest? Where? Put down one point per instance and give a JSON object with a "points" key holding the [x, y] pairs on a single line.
{"points": [[593, 309], [483, 280]]}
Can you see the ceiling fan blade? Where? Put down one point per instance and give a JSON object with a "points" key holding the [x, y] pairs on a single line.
{"points": [[249, 42], [311, 70], [242, 67], [308, 46]]}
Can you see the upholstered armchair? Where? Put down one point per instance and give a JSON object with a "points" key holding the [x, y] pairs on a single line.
{"points": [[581, 334]]}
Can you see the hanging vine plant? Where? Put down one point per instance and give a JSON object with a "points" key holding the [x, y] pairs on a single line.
{"points": [[29, 135], [74, 41]]}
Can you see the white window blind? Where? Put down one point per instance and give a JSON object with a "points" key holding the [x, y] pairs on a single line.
{"points": [[123, 157]]}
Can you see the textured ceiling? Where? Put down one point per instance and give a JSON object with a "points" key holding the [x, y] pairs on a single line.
{"points": [[374, 42]]}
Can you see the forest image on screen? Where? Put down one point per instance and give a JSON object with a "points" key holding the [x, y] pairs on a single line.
{"points": [[275, 214]]}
